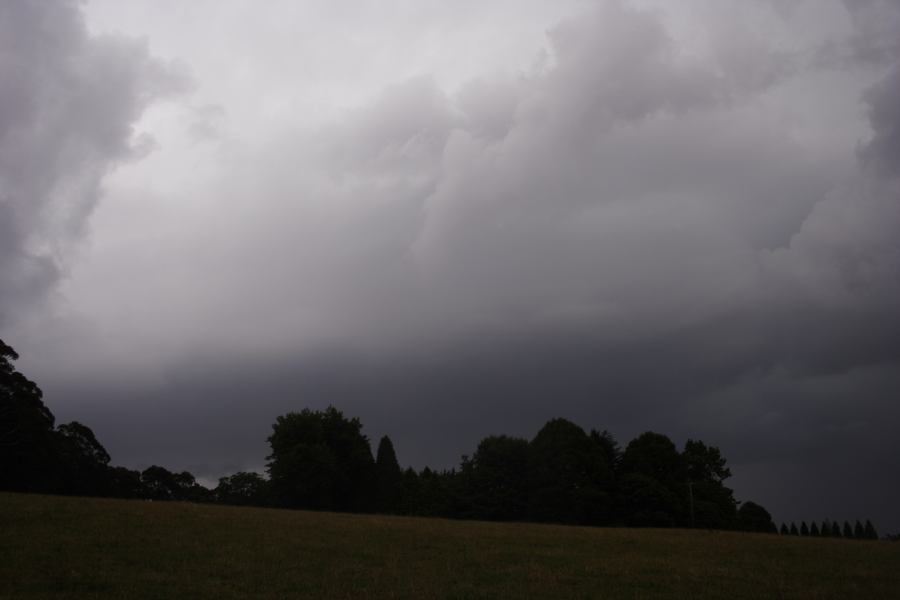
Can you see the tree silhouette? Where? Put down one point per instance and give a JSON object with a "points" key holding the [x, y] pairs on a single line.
{"points": [[410, 490], [321, 460], [572, 481], [714, 506], [848, 531], [125, 483], [242, 489], [436, 494], [84, 461], [870, 533], [607, 442], [388, 478], [652, 484], [835, 529], [794, 529], [814, 529], [495, 481], [161, 484], [783, 530], [753, 517], [804, 529], [29, 459]]}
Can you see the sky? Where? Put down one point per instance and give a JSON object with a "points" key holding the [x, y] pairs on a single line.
{"points": [[459, 219]]}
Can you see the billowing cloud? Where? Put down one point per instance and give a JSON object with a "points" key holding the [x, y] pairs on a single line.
{"points": [[67, 110]]}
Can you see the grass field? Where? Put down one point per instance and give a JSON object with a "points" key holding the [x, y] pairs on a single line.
{"points": [[91, 548]]}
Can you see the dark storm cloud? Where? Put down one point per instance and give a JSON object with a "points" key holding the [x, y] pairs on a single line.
{"points": [[649, 229], [67, 105]]}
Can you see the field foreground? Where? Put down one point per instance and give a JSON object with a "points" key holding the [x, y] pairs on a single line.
{"points": [[92, 548]]}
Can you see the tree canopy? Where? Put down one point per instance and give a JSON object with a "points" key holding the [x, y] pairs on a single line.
{"points": [[321, 460]]}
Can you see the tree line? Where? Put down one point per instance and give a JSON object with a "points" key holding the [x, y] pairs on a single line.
{"points": [[832, 529], [321, 460]]}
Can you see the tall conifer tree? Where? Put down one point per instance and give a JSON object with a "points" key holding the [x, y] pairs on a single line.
{"points": [[871, 534]]}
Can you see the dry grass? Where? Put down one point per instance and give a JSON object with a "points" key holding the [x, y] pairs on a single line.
{"points": [[91, 548]]}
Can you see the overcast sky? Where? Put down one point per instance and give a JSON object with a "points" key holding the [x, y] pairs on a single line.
{"points": [[456, 219]]}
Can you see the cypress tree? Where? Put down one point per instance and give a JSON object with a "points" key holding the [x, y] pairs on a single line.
{"points": [[825, 531], [835, 530], [804, 530], [848, 531], [794, 529], [784, 529], [870, 532], [858, 531], [814, 529], [388, 478]]}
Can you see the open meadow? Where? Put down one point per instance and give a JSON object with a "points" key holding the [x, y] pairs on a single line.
{"points": [[100, 548]]}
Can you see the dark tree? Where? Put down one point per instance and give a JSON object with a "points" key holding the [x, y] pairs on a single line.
{"points": [[848, 531], [652, 482], [870, 533], [243, 489], [714, 506], [29, 458], [321, 460], [654, 455], [704, 463], [609, 445], [494, 482], [825, 530], [436, 494], [84, 462], [804, 529], [794, 529], [410, 491], [572, 481], [783, 530], [835, 529], [753, 517], [858, 531], [388, 478], [161, 484], [83, 441], [646, 502], [125, 483], [814, 529]]}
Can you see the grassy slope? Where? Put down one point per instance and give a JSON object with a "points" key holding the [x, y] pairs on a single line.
{"points": [[87, 548]]}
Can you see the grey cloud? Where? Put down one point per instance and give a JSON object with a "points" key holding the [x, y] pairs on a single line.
{"points": [[622, 193], [68, 104]]}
